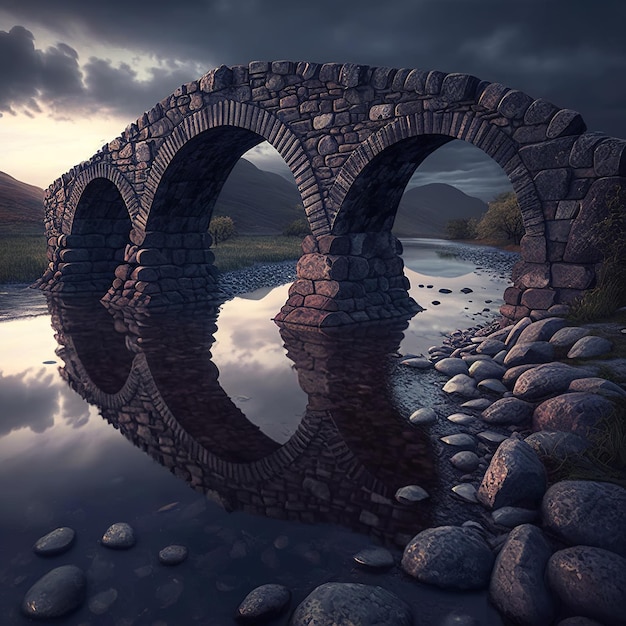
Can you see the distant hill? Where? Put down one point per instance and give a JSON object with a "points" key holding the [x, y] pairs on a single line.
{"points": [[262, 202], [425, 210], [21, 207]]}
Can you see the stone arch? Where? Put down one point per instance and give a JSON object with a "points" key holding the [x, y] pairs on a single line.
{"points": [[232, 128], [398, 149]]}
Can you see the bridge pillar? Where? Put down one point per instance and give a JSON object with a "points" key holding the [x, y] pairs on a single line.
{"points": [[343, 279], [165, 269]]}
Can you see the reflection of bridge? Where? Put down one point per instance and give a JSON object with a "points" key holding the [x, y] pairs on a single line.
{"points": [[153, 379], [133, 219]]}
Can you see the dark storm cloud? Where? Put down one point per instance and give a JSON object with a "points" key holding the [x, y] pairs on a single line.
{"points": [[572, 53]]}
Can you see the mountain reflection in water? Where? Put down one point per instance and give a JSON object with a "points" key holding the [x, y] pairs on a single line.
{"points": [[153, 378]]}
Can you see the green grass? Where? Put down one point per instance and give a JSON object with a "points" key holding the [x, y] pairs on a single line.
{"points": [[244, 251], [22, 258]]}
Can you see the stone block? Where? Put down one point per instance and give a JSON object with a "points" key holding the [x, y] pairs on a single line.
{"points": [[514, 104], [571, 276], [566, 122], [512, 295], [491, 96], [540, 112], [538, 298], [458, 87], [533, 250], [553, 184], [558, 230], [548, 154], [609, 158], [434, 81], [531, 275], [334, 244], [381, 112]]}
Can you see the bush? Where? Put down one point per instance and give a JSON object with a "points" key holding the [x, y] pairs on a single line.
{"points": [[462, 228], [298, 228], [503, 220], [221, 229]]}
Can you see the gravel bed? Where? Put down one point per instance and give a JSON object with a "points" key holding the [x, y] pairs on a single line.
{"points": [[257, 276]]}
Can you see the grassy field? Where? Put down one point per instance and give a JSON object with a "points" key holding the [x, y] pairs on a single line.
{"points": [[23, 258]]}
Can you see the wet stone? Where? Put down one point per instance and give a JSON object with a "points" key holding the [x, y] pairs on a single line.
{"points": [[374, 557], [119, 536], [490, 346], [465, 461], [462, 385], [55, 542], [263, 604], [492, 385], [102, 602], [466, 492], [366, 605], [478, 404], [461, 418], [57, 593], [425, 415], [486, 368], [451, 366], [411, 494], [461, 441], [173, 555], [418, 362]]}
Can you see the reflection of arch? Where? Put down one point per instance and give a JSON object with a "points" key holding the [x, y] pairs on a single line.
{"points": [[324, 472], [366, 201]]}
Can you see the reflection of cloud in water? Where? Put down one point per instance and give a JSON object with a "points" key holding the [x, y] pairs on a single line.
{"points": [[73, 409], [28, 400]]}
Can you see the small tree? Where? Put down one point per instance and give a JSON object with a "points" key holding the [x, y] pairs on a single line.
{"points": [[298, 228], [503, 220], [221, 229], [462, 228]]}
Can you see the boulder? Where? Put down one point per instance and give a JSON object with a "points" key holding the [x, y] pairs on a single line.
{"points": [[57, 593], [589, 347], [263, 604], [601, 386], [515, 477], [55, 542], [546, 380], [587, 512], [512, 516], [451, 366], [590, 582], [576, 412], [532, 352], [517, 330], [556, 444], [361, 605], [463, 385], [486, 368], [490, 346], [508, 411], [450, 557], [542, 330], [566, 337], [517, 585]]}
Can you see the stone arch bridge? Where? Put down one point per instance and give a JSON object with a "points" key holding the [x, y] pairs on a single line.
{"points": [[130, 223]]}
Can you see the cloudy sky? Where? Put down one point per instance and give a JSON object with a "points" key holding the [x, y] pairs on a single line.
{"points": [[73, 73]]}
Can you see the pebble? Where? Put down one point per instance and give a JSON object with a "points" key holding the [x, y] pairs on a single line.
{"points": [[462, 385], [465, 461], [173, 555], [56, 541], [375, 557], [263, 604], [451, 366], [492, 385], [486, 368], [466, 492], [424, 415], [462, 441], [119, 536], [461, 418], [418, 362], [410, 494], [512, 516], [57, 593], [477, 403], [508, 411], [491, 437]]}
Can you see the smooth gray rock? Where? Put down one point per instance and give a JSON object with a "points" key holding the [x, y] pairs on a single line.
{"points": [[450, 557], [418, 362], [527, 353], [578, 413], [513, 373], [501, 334], [55, 542], [461, 418], [463, 385], [490, 346], [556, 444], [566, 337], [410, 494], [508, 411], [173, 555], [516, 331], [590, 582], [465, 461], [466, 492], [477, 403], [512, 516], [486, 368], [331, 604], [587, 512], [263, 604], [546, 380], [517, 585], [542, 330], [375, 557], [492, 385], [461, 441], [425, 415], [119, 536], [451, 366], [515, 477], [589, 347], [57, 593], [601, 386], [491, 437]]}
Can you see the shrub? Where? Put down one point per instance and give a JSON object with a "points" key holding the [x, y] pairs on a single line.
{"points": [[462, 228], [298, 228], [221, 229], [503, 220]]}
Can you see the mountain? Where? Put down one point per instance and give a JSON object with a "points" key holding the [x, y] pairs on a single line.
{"points": [[259, 202], [21, 207], [425, 210]]}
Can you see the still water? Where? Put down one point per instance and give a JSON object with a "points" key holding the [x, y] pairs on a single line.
{"points": [[273, 455]]}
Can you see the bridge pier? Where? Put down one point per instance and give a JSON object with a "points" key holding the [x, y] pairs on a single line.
{"points": [[165, 269], [347, 279]]}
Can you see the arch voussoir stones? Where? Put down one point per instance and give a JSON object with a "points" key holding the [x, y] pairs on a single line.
{"points": [[352, 136]]}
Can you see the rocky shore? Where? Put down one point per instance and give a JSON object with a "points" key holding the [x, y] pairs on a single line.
{"points": [[516, 402]]}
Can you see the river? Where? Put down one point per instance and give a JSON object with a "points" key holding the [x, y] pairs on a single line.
{"points": [[292, 445]]}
